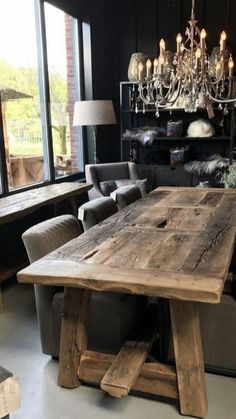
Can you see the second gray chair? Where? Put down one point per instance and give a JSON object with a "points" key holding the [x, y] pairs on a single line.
{"points": [[107, 177], [126, 195]]}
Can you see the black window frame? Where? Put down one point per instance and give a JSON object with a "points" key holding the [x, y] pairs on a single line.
{"points": [[45, 111]]}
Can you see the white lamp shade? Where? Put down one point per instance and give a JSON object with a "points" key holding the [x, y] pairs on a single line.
{"points": [[94, 112]]}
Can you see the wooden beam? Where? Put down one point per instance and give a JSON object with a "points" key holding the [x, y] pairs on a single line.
{"points": [[154, 378], [73, 335], [189, 358], [125, 368]]}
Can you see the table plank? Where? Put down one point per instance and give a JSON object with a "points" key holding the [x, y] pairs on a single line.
{"points": [[125, 368], [191, 287]]}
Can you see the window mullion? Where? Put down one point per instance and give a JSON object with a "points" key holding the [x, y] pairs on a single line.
{"points": [[3, 164]]}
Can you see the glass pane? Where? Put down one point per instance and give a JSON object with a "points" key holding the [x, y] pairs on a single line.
{"points": [[26, 159], [62, 44]]}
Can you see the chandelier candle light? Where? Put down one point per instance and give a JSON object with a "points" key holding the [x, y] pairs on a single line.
{"points": [[189, 74]]}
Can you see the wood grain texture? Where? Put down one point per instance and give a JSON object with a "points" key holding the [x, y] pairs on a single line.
{"points": [[73, 335], [154, 378], [189, 358], [18, 205], [175, 243], [125, 368]]}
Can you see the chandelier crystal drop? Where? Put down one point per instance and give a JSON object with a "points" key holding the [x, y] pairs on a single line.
{"points": [[189, 75]]}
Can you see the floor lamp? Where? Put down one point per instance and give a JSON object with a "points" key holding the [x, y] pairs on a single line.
{"points": [[94, 112]]}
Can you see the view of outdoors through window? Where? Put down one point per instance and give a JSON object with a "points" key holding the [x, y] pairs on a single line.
{"points": [[20, 94], [63, 84], [25, 146]]}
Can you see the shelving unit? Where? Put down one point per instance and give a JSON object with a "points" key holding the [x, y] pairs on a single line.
{"points": [[132, 115]]}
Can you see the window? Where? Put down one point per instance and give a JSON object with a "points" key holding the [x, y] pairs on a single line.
{"points": [[63, 67], [23, 141], [30, 143]]}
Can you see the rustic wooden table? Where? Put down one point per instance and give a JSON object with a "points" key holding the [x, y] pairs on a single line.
{"points": [[16, 206], [177, 243]]}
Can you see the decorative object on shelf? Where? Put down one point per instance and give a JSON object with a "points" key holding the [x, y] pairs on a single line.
{"points": [[207, 165], [174, 129], [189, 73], [133, 70], [204, 184], [145, 135], [228, 178], [94, 112], [200, 128], [179, 155]]}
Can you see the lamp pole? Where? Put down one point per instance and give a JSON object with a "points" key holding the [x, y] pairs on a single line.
{"points": [[95, 144]]}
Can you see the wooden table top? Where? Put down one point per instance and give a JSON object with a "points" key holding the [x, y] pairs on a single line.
{"points": [[15, 206], [175, 243]]}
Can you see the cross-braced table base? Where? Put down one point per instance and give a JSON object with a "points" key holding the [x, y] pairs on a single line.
{"points": [[117, 375]]}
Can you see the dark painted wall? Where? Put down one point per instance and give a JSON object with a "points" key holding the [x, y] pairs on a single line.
{"points": [[125, 26], [121, 27]]}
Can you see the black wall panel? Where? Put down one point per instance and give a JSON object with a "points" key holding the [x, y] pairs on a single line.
{"points": [[146, 33], [121, 27]]}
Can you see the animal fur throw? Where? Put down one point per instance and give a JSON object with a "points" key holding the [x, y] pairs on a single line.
{"points": [[145, 135], [200, 128], [207, 166]]}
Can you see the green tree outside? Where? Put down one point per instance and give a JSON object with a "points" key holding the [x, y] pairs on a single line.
{"points": [[27, 111]]}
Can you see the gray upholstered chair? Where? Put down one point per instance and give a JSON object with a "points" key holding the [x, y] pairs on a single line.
{"points": [[125, 195], [95, 211], [112, 316], [40, 240], [109, 176]]}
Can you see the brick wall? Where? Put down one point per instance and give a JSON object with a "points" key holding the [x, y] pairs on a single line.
{"points": [[71, 80]]}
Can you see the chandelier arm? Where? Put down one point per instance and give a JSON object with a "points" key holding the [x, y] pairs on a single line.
{"points": [[171, 103], [227, 98], [220, 100]]}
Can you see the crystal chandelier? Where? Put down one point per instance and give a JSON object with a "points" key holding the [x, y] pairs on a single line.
{"points": [[189, 73]]}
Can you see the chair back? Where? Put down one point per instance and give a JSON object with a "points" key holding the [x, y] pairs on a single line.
{"points": [[95, 211], [47, 236]]}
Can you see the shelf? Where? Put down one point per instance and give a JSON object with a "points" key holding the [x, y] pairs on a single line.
{"points": [[181, 139], [172, 110], [11, 267]]}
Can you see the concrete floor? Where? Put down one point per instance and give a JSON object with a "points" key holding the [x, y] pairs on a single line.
{"points": [[42, 399]]}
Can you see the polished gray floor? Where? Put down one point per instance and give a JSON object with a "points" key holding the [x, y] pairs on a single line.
{"points": [[42, 399]]}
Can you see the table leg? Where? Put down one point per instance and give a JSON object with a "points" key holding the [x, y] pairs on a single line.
{"points": [[1, 300], [189, 358], [73, 335], [74, 209]]}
